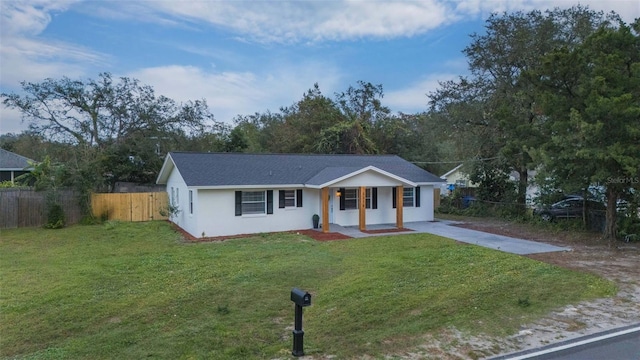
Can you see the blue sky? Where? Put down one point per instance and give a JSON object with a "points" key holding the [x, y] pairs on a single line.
{"points": [[251, 56]]}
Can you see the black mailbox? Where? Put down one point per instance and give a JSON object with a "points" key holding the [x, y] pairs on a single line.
{"points": [[300, 297]]}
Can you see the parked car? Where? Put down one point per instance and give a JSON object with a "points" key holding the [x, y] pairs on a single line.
{"points": [[568, 208]]}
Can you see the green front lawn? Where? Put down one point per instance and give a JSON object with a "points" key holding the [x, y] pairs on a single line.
{"points": [[123, 290]]}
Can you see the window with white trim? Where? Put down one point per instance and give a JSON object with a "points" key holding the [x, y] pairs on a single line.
{"points": [[173, 196], [190, 201], [254, 202], [367, 199], [407, 197]]}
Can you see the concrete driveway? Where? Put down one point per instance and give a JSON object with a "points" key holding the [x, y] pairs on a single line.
{"points": [[446, 228]]}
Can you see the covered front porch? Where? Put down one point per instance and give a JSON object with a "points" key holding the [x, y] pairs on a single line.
{"points": [[362, 200], [372, 230]]}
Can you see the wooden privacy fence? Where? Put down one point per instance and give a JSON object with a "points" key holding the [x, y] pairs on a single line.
{"points": [[28, 208], [130, 206], [436, 198]]}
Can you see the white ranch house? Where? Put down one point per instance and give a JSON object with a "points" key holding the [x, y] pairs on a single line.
{"points": [[223, 194]]}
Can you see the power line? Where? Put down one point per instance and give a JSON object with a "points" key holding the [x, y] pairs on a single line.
{"points": [[455, 161]]}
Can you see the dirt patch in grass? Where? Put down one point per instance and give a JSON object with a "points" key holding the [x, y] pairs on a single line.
{"points": [[617, 261], [322, 236], [316, 235]]}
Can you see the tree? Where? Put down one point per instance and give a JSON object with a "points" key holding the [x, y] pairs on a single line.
{"points": [[363, 103], [361, 108], [463, 107], [317, 124], [348, 137], [237, 141], [105, 130], [414, 137], [35, 146], [498, 96], [101, 112], [590, 97], [261, 132], [48, 177], [305, 120]]}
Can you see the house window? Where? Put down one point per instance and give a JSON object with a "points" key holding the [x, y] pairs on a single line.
{"points": [[173, 196], [407, 197], [289, 198], [190, 201], [253, 202], [350, 199], [461, 183], [367, 199]]}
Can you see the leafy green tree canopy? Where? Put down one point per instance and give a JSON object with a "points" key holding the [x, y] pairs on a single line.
{"points": [[103, 111], [494, 111], [591, 99]]}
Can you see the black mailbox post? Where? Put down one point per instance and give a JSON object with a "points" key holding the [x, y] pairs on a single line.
{"points": [[301, 298]]}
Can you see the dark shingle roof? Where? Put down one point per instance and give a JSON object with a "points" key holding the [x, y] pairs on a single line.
{"points": [[331, 173], [226, 169], [13, 161]]}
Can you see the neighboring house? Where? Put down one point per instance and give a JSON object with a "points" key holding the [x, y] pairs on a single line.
{"points": [[12, 165], [456, 178], [220, 194]]}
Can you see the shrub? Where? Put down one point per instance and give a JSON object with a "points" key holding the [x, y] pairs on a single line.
{"points": [[478, 209], [55, 217], [629, 228]]}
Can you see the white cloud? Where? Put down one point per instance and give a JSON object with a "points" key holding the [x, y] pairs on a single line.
{"points": [[295, 21], [27, 57], [232, 93], [302, 21], [11, 121], [29, 17], [24, 58], [627, 9], [413, 98]]}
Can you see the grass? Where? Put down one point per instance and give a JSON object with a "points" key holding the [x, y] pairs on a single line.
{"points": [[123, 290]]}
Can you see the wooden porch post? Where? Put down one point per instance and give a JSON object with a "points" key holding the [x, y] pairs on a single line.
{"points": [[362, 207], [325, 210], [399, 206]]}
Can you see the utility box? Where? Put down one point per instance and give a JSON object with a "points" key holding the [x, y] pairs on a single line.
{"points": [[300, 297]]}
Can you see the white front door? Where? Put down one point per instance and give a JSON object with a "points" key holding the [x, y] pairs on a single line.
{"points": [[330, 209]]}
